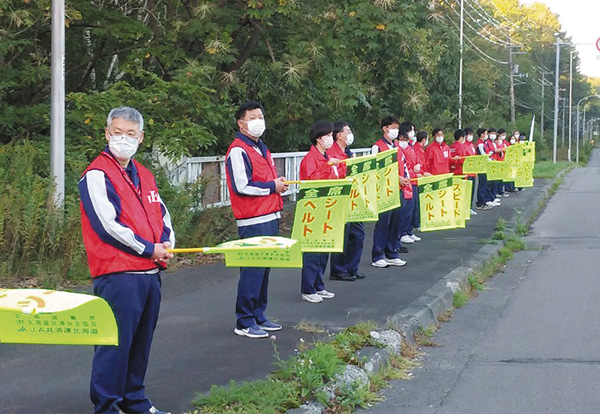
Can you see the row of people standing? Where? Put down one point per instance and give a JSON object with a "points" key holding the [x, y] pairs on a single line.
{"points": [[256, 201]]}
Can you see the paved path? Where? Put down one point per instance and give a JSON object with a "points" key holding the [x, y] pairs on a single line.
{"points": [[530, 344], [195, 346]]}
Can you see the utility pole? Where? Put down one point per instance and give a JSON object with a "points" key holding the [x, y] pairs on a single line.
{"points": [[570, 101], [460, 67], [556, 96], [564, 110], [57, 108], [543, 73], [512, 86]]}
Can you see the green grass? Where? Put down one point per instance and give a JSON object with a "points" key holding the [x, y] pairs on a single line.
{"points": [[300, 378], [547, 169]]}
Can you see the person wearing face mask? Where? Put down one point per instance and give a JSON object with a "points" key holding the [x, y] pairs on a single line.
{"points": [[458, 152], [385, 235], [408, 226], [492, 150], [484, 199], [317, 165], [255, 191], [406, 163], [470, 147], [437, 155], [419, 150], [126, 230], [509, 186], [344, 266]]}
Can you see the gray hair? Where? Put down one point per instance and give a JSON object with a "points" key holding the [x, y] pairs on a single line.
{"points": [[126, 113]]}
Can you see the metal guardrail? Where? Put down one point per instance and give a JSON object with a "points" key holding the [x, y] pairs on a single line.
{"points": [[212, 171]]}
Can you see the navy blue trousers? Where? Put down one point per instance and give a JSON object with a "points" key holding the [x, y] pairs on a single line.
{"points": [[313, 269], [253, 287], [118, 371], [406, 214], [472, 179], [349, 259], [482, 190], [385, 235], [416, 217]]}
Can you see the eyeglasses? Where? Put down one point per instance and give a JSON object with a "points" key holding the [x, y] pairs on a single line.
{"points": [[120, 138]]}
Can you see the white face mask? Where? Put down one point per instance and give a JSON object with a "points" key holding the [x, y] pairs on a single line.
{"points": [[470, 138], [512, 141], [492, 136], [439, 139], [349, 139], [122, 146], [327, 141], [403, 144], [393, 133], [411, 135], [256, 127]]}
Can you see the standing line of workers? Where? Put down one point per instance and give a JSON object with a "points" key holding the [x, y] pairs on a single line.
{"points": [[127, 229], [256, 199]]}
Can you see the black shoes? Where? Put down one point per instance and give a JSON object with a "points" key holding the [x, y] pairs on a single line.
{"points": [[345, 277], [358, 275]]}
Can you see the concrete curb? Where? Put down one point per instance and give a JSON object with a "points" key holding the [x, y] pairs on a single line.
{"points": [[424, 310]]}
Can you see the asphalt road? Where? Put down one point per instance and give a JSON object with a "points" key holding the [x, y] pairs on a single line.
{"points": [[194, 345], [529, 344]]}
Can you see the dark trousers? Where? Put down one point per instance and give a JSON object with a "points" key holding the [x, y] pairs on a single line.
{"points": [[385, 235], [482, 190], [313, 269], [118, 371], [406, 214], [416, 217], [349, 259], [472, 179], [491, 191], [251, 302]]}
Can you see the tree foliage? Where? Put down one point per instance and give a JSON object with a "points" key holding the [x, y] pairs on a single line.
{"points": [[187, 64]]}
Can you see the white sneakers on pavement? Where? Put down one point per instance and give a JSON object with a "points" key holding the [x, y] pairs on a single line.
{"points": [[406, 239], [318, 297], [380, 263], [395, 262], [415, 238]]}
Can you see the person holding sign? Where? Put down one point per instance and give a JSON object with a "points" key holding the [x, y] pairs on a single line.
{"points": [[437, 155], [470, 147], [407, 161], [344, 266], [483, 191], [317, 165], [255, 191], [385, 235], [126, 230], [458, 152]]}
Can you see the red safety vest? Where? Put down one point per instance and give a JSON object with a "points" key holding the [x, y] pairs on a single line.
{"points": [[263, 169], [140, 211]]}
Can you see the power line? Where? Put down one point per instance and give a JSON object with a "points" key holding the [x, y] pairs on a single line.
{"points": [[481, 52], [477, 31]]}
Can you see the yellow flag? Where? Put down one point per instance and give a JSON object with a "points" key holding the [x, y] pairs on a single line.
{"points": [[388, 184], [320, 215], [363, 173], [461, 198], [497, 170], [262, 251], [475, 164], [436, 203], [40, 316]]}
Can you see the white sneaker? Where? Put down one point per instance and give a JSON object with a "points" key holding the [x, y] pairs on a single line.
{"points": [[415, 238], [496, 203], [490, 204], [325, 294], [380, 263], [395, 262], [473, 212], [496, 200], [505, 195], [312, 298], [406, 239]]}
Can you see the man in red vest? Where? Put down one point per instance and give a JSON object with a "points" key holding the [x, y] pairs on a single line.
{"points": [[255, 190], [126, 231], [437, 154]]}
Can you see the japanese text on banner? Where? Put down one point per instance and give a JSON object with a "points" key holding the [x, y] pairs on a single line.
{"points": [[388, 184], [476, 164], [320, 215], [436, 204], [363, 172]]}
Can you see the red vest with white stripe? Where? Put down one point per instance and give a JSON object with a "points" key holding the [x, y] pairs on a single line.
{"points": [[140, 211], [263, 169]]}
